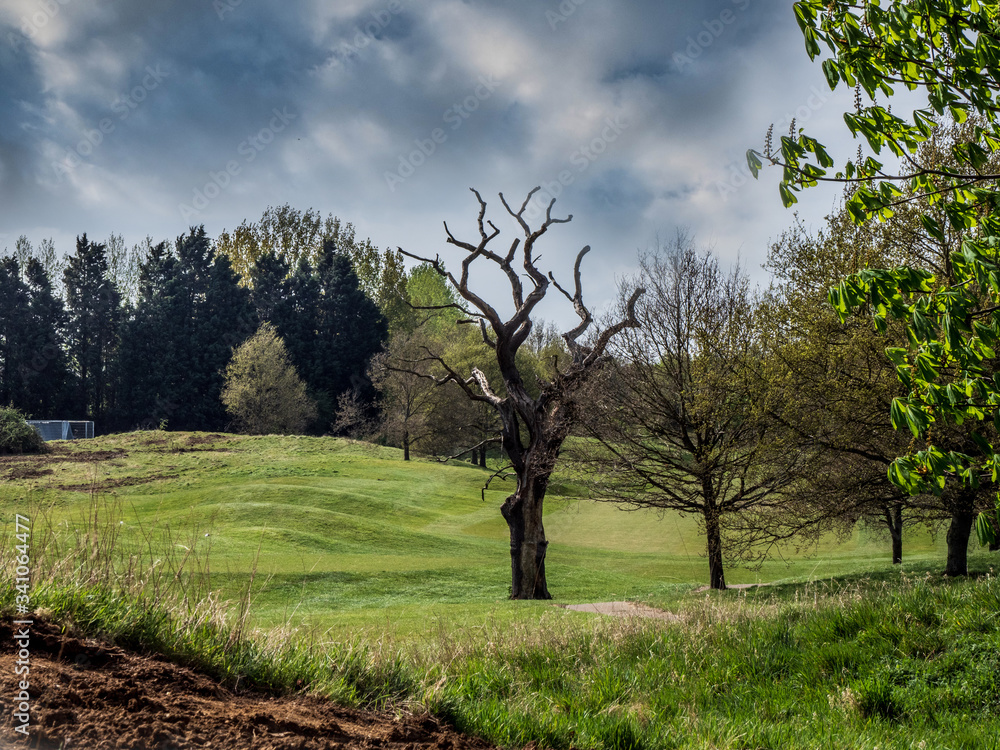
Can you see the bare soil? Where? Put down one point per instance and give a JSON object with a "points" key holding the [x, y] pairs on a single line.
{"points": [[55, 453], [26, 472], [110, 484], [95, 696]]}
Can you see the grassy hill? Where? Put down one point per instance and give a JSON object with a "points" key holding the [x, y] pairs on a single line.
{"points": [[345, 535], [398, 573]]}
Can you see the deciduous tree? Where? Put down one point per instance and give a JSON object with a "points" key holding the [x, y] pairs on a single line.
{"points": [[533, 427], [949, 51], [262, 391], [684, 421]]}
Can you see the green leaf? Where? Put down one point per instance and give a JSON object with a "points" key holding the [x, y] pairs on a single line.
{"points": [[933, 227], [812, 45], [985, 531], [897, 413], [831, 73], [918, 421], [897, 355], [787, 196]]}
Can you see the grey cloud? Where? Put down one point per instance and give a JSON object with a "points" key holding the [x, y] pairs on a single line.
{"points": [[364, 102]]}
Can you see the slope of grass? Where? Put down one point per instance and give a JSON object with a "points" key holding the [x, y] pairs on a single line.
{"points": [[393, 578], [345, 535], [901, 663]]}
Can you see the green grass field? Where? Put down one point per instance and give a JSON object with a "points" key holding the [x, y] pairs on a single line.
{"points": [[346, 535], [375, 581]]}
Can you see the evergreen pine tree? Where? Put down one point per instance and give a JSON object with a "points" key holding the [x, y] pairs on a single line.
{"points": [[48, 378], [147, 357], [14, 314], [350, 330], [94, 307], [190, 316]]}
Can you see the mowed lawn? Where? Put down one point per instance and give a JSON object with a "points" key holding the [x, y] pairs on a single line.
{"points": [[345, 535]]}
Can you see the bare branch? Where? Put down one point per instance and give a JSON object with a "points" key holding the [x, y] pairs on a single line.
{"points": [[577, 299], [487, 339], [464, 383], [612, 331], [477, 446], [519, 214], [449, 306], [498, 473], [484, 386]]}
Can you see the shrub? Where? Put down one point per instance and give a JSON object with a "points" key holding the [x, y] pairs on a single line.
{"points": [[16, 435]]}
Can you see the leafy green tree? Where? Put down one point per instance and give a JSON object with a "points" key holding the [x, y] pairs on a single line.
{"points": [[293, 236], [949, 51], [262, 391], [836, 383], [410, 401], [289, 233], [95, 313], [383, 278]]}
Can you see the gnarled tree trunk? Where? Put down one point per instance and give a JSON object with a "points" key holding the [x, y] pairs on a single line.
{"points": [[545, 418], [523, 513]]}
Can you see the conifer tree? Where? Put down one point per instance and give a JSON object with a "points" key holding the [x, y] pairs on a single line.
{"points": [[94, 307], [350, 330], [190, 316], [47, 370], [14, 305]]}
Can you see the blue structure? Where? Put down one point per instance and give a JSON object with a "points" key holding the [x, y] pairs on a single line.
{"points": [[61, 429]]}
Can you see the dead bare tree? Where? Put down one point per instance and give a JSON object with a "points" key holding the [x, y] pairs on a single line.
{"points": [[533, 427]]}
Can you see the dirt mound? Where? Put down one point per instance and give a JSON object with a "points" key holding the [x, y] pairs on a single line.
{"points": [[89, 695]]}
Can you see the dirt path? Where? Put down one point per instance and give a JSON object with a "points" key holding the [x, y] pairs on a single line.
{"points": [[90, 696]]}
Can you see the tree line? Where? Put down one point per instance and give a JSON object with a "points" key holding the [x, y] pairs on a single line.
{"points": [[142, 338], [759, 412]]}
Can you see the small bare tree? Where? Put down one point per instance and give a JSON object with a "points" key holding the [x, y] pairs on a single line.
{"points": [[534, 423], [680, 419]]}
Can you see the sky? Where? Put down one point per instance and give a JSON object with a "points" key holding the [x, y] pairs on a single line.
{"points": [[147, 118]]}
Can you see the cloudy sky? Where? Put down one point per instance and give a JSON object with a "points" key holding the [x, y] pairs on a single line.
{"points": [[145, 118]]}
